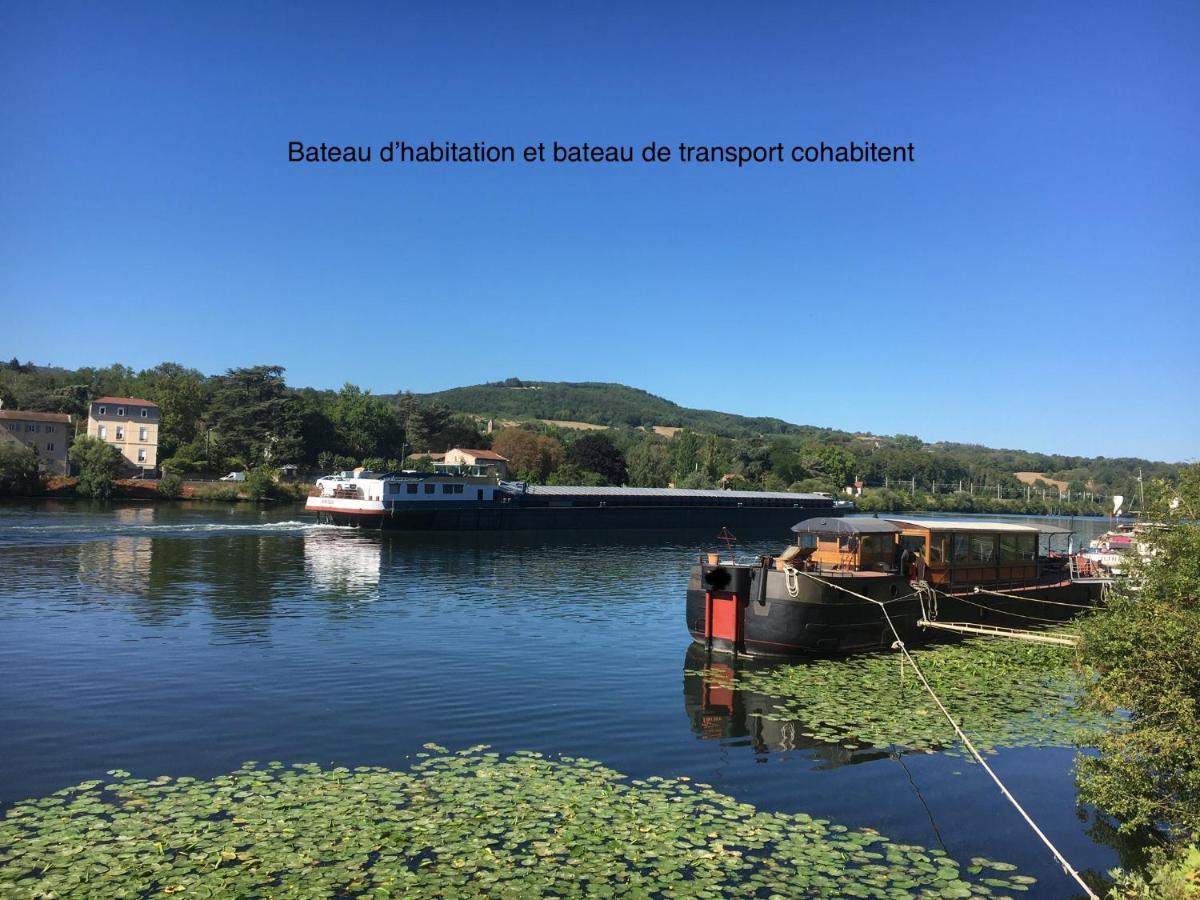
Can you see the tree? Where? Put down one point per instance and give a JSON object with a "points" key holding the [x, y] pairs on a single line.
{"points": [[257, 417], [649, 464], [595, 452], [907, 442], [98, 464], [570, 474], [365, 425], [530, 456], [1144, 648], [181, 397], [18, 468]]}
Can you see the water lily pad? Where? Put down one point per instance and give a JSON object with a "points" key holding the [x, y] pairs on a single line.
{"points": [[470, 823]]}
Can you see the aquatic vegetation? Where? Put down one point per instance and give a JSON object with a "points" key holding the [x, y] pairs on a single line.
{"points": [[469, 823], [1004, 694]]}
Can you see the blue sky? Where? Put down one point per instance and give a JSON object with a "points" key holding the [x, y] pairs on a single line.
{"points": [[1030, 281]]}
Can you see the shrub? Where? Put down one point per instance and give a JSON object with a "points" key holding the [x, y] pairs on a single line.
{"points": [[98, 465], [18, 469], [260, 484], [171, 486]]}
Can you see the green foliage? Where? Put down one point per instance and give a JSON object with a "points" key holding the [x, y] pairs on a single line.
{"points": [[602, 404], [1145, 647], [260, 484], [466, 824], [257, 417], [595, 452], [1008, 694], [225, 493], [1170, 876], [530, 456], [182, 397], [170, 486], [18, 469], [98, 465], [366, 425], [569, 474], [649, 464]]}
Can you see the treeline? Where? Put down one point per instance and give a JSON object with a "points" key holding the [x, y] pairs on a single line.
{"points": [[899, 457], [250, 417]]}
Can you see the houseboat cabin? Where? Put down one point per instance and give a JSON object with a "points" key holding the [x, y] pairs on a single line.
{"points": [[946, 553]]}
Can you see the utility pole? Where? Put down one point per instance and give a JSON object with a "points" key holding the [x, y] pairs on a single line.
{"points": [[912, 488], [1141, 493]]}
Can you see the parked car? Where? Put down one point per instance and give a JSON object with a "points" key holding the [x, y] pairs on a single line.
{"points": [[234, 476]]}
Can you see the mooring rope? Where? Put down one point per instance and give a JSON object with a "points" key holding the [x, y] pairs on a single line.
{"points": [[1062, 860], [980, 590]]}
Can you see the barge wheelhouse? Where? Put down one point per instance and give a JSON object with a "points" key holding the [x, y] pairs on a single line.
{"points": [[827, 592]]}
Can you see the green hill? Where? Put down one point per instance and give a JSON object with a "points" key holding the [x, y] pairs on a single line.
{"points": [[601, 403]]}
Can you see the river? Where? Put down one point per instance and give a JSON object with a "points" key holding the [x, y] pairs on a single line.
{"points": [[186, 639]]}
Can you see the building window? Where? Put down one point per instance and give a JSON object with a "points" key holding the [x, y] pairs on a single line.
{"points": [[120, 432], [32, 428], [120, 410], [142, 433], [102, 433], [145, 413], [49, 429], [141, 454], [50, 447], [102, 411]]}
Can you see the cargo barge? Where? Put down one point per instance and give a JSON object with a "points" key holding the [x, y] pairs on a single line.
{"points": [[827, 593], [438, 501]]}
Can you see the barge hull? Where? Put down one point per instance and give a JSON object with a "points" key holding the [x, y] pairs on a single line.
{"points": [[814, 618], [510, 517]]}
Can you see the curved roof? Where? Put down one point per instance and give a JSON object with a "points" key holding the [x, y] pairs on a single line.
{"points": [[845, 525]]}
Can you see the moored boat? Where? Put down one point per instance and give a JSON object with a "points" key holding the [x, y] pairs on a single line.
{"points": [[835, 588]]}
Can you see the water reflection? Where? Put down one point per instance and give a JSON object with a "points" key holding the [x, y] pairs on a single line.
{"points": [[345, 565], [720, 711]]}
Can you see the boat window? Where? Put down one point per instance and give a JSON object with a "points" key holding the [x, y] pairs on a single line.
{"points": [[806, 540], [962, 544], [1009, 549], [395, 487], [983, 548], [430, 488], [914, 542], [412, 488], [878, 547], [936, 545], [1027, 546], [458, 489]]}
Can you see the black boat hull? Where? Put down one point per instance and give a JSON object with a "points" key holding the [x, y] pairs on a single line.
{"points": [[772, 614], [741, 520]]}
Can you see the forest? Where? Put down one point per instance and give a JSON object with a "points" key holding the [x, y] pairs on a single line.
{"points": [[251, 417]]}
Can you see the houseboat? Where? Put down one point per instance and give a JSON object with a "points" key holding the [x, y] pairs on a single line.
{"points": [[469, 501], [827, 592]]}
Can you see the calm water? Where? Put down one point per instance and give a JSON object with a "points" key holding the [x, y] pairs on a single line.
{"points": [[189, 639]]}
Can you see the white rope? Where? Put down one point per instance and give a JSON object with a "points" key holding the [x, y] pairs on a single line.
{"points": [[1062, 860]]}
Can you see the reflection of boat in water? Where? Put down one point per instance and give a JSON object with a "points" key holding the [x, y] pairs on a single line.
{"points": [[827, 592], [720, 711], [450, 501], [343, 566]]}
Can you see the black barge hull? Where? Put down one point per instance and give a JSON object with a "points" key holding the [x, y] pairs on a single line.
{"points": [[741, 520], [761, 611]]}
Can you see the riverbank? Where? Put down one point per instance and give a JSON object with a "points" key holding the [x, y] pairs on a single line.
{"points": [[165, 490]]}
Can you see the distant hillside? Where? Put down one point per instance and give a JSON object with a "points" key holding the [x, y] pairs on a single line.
{"points": [[600, 403]]}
